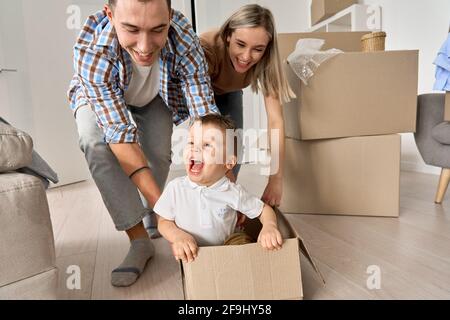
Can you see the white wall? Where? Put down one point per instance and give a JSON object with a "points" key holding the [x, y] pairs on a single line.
{"points": [[36, 41], [290, 15], [37, 38], [422, 25], [413, 24]]}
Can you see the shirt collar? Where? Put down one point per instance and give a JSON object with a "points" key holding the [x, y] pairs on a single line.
{"points": [[169, 48], [107, 35], [222, 185]]}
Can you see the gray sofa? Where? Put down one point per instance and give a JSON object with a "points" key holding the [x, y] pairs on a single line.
{"points": [[27, 251], [433, 137]]}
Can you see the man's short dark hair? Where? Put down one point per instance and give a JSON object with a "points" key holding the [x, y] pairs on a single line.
{"points": [[112, 3]]}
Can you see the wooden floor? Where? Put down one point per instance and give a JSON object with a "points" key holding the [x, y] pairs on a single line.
{"points": [[412, 252]]}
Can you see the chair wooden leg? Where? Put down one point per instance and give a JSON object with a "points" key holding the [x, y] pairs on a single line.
{"points": [[443, 184]]}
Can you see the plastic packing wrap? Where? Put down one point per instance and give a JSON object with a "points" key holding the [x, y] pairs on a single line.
{"points": [[307, 57]]}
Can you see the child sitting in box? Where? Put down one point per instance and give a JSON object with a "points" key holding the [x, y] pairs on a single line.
{"points": [[200, 208]]}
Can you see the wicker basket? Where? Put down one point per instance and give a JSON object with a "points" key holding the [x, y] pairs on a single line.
{"points": [[373, 41]]}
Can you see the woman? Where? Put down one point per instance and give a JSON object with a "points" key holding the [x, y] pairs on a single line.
{"points": [[245, 52]]}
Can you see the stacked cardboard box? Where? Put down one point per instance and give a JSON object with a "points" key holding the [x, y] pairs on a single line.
{"points": [[323, 9], [342, 148]]}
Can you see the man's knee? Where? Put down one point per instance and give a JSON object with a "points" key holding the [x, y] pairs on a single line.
{"points": [[160, 154], [89, 134], [161, 159]]}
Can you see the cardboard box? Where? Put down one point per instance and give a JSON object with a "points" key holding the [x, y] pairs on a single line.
{"points": [[353, 93], [323, 9], [248, 272], [447, 107], [348, 176]]}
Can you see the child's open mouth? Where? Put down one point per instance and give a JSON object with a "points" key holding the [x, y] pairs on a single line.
{"points": [[195, 166]]}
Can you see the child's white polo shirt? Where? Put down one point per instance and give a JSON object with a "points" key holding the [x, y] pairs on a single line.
{"points": [[207, 213]]}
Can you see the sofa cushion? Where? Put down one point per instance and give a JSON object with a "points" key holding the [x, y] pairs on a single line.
{"points": [[441, 132], [16, 148], [26, 240]]}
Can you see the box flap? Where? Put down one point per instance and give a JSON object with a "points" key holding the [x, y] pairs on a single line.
{"points": [[302, 245], [183, 279], [245, 272], [253, 226], [305, 252]]}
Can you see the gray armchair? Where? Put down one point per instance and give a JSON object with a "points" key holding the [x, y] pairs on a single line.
{"points": [[433, 137]]}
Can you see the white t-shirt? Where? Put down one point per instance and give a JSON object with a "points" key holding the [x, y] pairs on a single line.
{"points": [[143, 86], [207, 213]]}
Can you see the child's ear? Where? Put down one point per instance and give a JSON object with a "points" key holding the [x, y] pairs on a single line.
{"points": [[231, 162]]}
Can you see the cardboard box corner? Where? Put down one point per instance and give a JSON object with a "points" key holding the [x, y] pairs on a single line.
{"points": [[323, 9]]}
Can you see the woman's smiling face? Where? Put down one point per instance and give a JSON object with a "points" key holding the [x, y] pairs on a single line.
{"points": [[246, 47]]}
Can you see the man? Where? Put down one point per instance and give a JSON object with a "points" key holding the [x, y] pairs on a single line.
{"points": [[139, 68]]}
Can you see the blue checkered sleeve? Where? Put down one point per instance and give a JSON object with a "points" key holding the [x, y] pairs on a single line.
{"points": [[98, 76]]}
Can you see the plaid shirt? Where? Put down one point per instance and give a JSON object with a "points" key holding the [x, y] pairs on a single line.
{"points": [[103, 70]]}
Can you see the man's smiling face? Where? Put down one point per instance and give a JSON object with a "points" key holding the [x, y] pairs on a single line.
{"points": [[141, 27]]}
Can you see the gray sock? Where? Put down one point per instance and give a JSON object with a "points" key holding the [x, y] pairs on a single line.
{"points": [[141, 250], [153, 233], [151, 225]]}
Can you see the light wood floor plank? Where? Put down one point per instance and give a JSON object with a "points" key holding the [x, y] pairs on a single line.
{"points": [[352, 263], [396, 249], [86, 264]]}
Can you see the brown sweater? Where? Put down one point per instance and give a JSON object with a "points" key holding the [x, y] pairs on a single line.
{"points": [[223, 76]]}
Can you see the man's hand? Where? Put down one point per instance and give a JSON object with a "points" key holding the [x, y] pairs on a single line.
{"points": [[184, 247], [270, 238]]}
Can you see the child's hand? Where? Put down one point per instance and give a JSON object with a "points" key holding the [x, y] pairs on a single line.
{"points": [[185, 247], [270, 238]]}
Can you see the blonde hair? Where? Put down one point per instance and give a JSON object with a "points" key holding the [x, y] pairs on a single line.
{"points": [[267, 75]]}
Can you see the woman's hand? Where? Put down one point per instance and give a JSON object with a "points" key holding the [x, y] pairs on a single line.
{"points": [[273, 192]]}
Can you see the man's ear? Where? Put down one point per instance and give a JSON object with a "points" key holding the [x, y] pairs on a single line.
{"points": [[109, 12]]}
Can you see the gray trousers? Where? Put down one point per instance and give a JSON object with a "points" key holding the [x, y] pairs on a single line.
{"points": [[231, 104], [124, 202]]}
